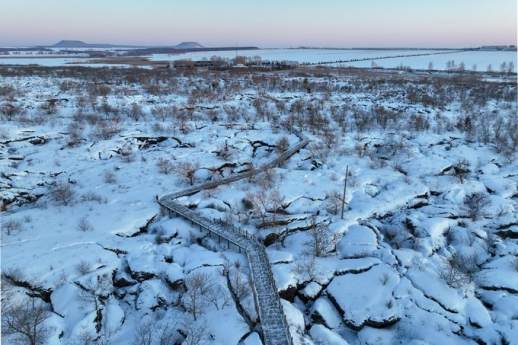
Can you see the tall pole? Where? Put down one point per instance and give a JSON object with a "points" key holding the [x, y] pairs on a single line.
{"points": [[345, 189]]}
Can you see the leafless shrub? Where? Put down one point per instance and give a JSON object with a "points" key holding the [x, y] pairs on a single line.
{"points": [[158, 127], [166, 334], [25, 321], [83, 267], [459, 270], [87, 338], [93, 197], [7, 90], [282, 145], [92, 119], [224, 151], [103, 90], [360, 149], [106, 129], [334, 202], [165, 166], [306, 266], [136, 112], [67, 85], [75, 132], [196, 334], [9, 110], [109, 177], [461, 170], [50, 107], [475, 204], [127, 155], [144, 333], [84, 225], [62, 193], [10, 226], [187, 170], [162, 113]]}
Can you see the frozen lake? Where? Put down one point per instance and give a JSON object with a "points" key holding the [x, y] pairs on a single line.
{"points": [[470, 58], [55, 62], [479, 60], [42, 61]]}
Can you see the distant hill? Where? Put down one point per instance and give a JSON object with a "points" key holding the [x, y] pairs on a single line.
{"points": [[81, 44], [189, 45]]}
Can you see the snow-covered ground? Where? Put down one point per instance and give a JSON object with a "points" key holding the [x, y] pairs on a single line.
{"points": [[426, 252]]}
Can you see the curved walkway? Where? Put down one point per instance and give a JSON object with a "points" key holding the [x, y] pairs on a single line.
{"points": [[273, 321]]}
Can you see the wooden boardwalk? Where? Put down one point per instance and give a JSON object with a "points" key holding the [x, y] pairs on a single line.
{"points": [[273, 321]]}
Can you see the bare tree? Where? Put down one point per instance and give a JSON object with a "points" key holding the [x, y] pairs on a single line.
{"points": [[259, 203], [187, 170], [503, 67], [321, 237], [240, 286], [218, 296], [25, 321], [198, 287], [275, 202], [334, 202]]}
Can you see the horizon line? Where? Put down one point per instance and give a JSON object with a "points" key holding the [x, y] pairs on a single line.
{"points": [[172, 45]]}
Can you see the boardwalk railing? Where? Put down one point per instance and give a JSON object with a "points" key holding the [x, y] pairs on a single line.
{"points": [[273, 321]]}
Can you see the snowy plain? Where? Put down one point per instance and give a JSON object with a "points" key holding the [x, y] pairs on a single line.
{"points": [[417, 259], [473, 60]]}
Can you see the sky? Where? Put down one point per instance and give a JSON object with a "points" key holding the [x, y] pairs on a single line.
{"points": [[263, 23]]}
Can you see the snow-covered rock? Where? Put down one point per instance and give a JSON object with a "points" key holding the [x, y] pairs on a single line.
{"points": [[322, 335], [359, 241], [367, 298], [324, 312]]}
